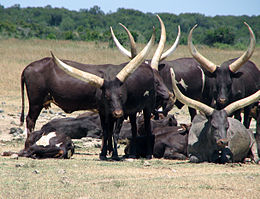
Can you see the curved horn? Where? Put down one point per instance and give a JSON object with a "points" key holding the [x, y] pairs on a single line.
{"points": [[134, 63], [132, 41], [189, 102], [159, 50], [246, 56], [119, 46], [174, 46], [208, 65], [242, 103], [79, 74]]}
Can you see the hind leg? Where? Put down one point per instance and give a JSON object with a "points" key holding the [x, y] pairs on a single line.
{"points": [[33, 114]]}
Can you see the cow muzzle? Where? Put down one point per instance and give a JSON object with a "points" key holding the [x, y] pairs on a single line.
{"points": [[118, 113], [222, 143], [222, 101]]}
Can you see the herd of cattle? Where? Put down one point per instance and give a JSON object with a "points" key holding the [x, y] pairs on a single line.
{"points": [[119, 92]]}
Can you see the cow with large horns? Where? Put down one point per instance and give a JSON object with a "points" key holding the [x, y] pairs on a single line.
{"points": [[46, 83], [189, 74], [122, 95], [216, 137], [234, 79]]}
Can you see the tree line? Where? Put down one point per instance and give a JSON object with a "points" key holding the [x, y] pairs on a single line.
{"points": [[94, 25]]}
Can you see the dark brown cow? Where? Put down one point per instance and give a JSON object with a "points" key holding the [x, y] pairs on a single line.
{"points": [[189, 74], [169, 142], [234, 79]]}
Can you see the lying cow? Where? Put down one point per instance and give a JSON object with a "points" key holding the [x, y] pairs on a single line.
{"points": [[46, 145], [76, 128], [169, 142], [217, 137]]}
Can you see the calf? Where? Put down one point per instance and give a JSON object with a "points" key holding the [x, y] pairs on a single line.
{"points": [[48, 145]]}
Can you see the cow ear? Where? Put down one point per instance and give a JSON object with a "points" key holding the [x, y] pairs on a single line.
{"points": [[236, 75], [160, 67]]}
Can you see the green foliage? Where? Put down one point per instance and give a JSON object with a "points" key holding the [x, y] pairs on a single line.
{"points": [[219, 35], [93, 25]]}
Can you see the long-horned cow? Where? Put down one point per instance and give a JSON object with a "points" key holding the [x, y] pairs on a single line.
{"points": [[131, 91], [216, 137], [189, 74], [234, 79], [46, 83]]}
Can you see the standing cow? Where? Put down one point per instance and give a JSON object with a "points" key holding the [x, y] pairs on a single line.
{"points": [[216, 137], [234, 79], [189, 74], [131, 91]]}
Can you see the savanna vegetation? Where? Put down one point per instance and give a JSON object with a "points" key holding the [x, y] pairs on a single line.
{"points": [[93, 25], [84, 176], [28, 34]]}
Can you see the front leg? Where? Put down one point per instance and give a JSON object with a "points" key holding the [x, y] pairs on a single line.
{"points": [[147, 126], [103, 154], [132, 118]]}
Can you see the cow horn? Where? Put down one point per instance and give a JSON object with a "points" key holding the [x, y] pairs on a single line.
{"points": [[159, 50], [208, 65], [189, 102], [79, 74], [242, 103], [120, 47], [246, 56], [134, 63], [132, 41], [174, 46]]}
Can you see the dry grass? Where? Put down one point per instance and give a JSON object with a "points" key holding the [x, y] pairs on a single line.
{"points": [[87, 177]]}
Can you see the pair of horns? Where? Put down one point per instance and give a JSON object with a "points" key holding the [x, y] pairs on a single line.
{"points": [[98, 81], [210, 66], [207, 109], [158, 55]]}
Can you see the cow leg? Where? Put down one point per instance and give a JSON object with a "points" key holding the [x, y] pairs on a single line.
{"points": [[192, 112], [118, 127], [147, 126], [33, 114], [103, 154], [172, 154], [247, 117], [132, 118]]}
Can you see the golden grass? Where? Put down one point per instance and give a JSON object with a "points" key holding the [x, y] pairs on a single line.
{"points": [[85, 176]]}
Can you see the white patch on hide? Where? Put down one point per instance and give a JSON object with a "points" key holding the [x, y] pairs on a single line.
{"points": [[146, 93], [58, 145], [146, 62], [45, 140], [182, 83]]}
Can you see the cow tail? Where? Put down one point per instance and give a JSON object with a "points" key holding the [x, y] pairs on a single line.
{"points": [[22, 93]]}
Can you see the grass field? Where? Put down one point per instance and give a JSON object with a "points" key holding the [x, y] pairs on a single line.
{"points": [[84, 176]]}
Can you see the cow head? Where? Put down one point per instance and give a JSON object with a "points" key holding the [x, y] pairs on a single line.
{"points": [[113, 93], [165, 98], [218, 119], [223, 74]]}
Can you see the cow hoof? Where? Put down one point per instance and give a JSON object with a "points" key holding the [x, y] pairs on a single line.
{"points": [[194, 159], [149, 157], [102, 157]]}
